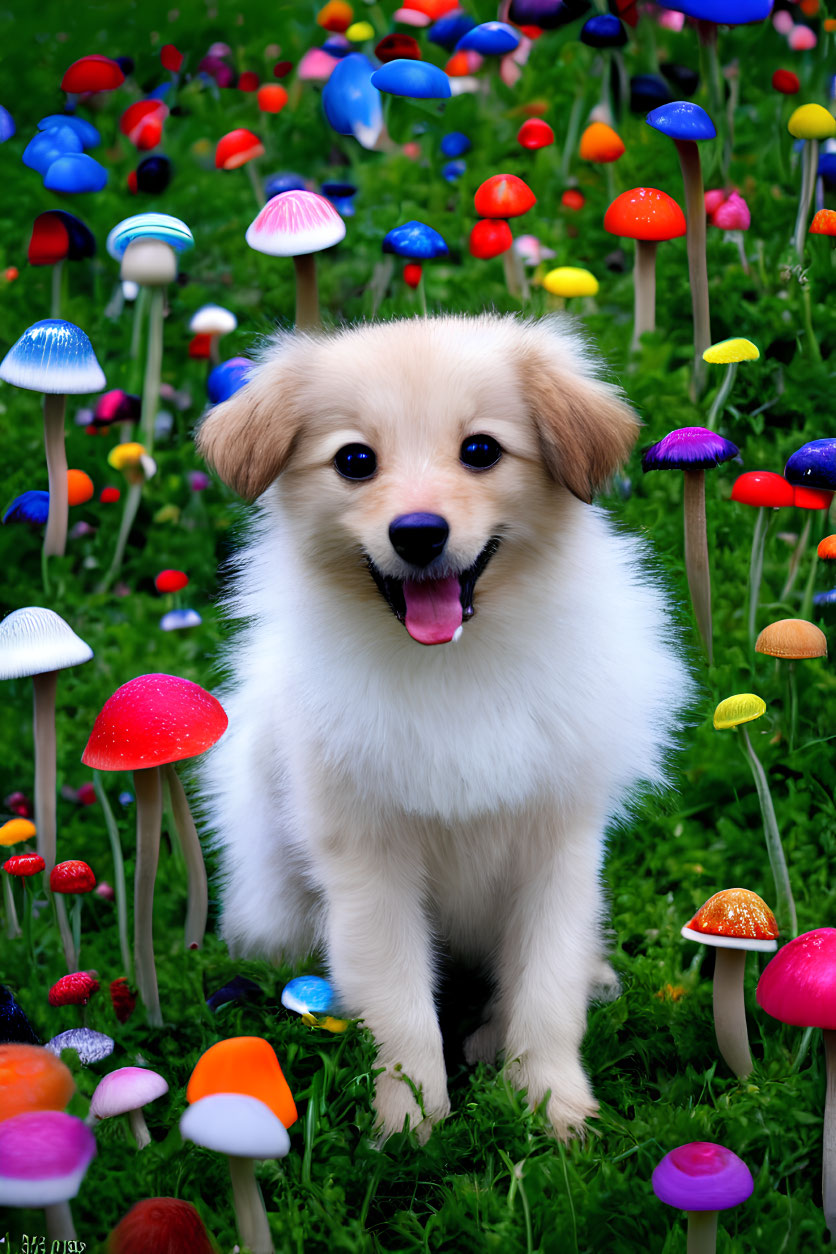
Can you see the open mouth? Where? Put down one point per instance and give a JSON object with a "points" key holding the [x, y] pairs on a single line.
{"points": [[434, 609]]}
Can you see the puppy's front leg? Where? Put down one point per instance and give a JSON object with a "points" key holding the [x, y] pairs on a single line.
{"points": [[380, 956]]}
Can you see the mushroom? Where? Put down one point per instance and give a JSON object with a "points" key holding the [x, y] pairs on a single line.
{"points": [[489, 238], [352, 104], [298, 224], [241, 147], [687, 125], [149, 723], [533, 134], [648, 216], [93, 73], [693, 450], [568, 281], [31, 507], [764, 490], [793, 639], [159, 1224], [313, 999], [736, 711], [727, 353], [506, 196], [47, 146], [14, 832], [74, 989], [142, 123], [15, 1028], [243, 1128], [733, 922], [90, 1046], [799, 987], [177, 620], [37, 642], [227, 377], [125, 1092], [418, 242], [75, 173], [702, 1178], [58, 236], [271, 97], [243, 1064], [43, 1157], [420, 80], [489, 39], [55, 358], [810, 123], [732, 215], [32, 1078], [813, 466], [73, 878], [214, 321], [606, 32]]}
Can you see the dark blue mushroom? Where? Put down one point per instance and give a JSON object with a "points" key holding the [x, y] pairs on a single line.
{"points": [[453, 170], [448, 30], [647, 91], [14, 1026], [418, 79], [227, 378], [341, 196], [415, 240], [490, 39], [31, 507], [153, 175], [604, 30], [287, 181], [455, 144], [352, 104], [813, 465], [75, 173], [547, 14]]}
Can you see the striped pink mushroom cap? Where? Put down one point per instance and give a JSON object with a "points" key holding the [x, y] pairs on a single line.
{"points": [[294, 223]]}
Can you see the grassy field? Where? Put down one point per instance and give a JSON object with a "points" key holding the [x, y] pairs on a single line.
{"points": [[491, 1177]]}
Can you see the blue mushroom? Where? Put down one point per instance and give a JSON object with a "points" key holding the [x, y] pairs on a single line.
{"points": [[813, 465], [648, 91], [227, 377], [153, 175], [827, 168], [418, 79], [86, 131], [54, 357], [7, 125], [415, 240], [47, 146], [160, 226], [352, 104], [176, 620], [75, 173], [31, 507], [729, 12], [455, 144], [82, 240], [490, 39], [341, 196], [683, 120], [448, 30], [604, 30], [14, 1026], [453, 170], [309, 994], [285, 182]]}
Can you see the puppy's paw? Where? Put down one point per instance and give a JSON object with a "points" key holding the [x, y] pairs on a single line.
{"points": [[605, 984], [484, 1044], [395, 1103], [570, 1100]]}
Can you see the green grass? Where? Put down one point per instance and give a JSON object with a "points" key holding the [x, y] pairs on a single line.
{"points": [[490, 1178]]}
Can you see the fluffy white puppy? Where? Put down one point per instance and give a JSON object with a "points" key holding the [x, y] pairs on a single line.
{"points": [[427, 483]]}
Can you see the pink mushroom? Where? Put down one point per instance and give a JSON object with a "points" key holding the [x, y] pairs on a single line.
{"points": [[298, 224]]}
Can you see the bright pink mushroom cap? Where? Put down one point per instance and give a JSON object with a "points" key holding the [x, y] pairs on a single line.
{"points": [[43, 1157], [733, 214], [152, 720], [295, 223], [799, 984]]}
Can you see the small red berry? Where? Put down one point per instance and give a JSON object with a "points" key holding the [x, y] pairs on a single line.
{"points": [[74, 989]]}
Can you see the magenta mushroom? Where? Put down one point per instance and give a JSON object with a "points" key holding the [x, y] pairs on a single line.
{"points": [[702, 1178], [43, 1157]]}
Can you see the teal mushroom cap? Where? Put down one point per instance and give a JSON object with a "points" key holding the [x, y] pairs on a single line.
{"points": [[157, 226]]}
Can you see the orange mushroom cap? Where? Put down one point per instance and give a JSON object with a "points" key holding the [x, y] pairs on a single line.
{"points": [[503, 196], [824, 222], [243, 1064], [32, 1078], [738, 913], [645, 213], [79, 487], [600, 142], [826, 551], [792, 638]]}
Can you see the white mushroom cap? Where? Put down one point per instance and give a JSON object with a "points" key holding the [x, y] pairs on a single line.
{"points": [[126, 1089], [34, 640], [235, 1124], [213, 320], [43, 1157], [765, 946]]}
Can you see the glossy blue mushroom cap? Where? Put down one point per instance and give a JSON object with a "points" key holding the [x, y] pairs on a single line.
{"points": [[728, 12], [418, 79], [48, 146], [149, 226], [341, 196], [448, 30], [604, 30], [287, 181], [415, 240], [75, 173], [352, 105], [227, 377], [309, 994], [455, 144], [7, 125], [490, 39], [53, 356], [682, 119], [31, 507], [813, 465], [453, 170], [86, 131]]}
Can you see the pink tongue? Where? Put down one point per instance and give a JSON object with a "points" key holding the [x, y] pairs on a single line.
{"points": [[433, 609]]}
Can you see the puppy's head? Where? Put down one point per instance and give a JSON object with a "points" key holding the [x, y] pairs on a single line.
{"points": [[409, 453]]}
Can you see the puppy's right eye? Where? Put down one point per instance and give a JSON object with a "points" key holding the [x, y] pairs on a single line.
{"points": [[355, 461]]}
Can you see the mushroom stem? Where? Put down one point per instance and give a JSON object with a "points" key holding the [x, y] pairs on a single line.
{"points": [[784, 903], [755, 571], [153, 367], [696, 555], [730, 1010], [702, 1231], [118, 874], [809, 168], [132, 500], [795, 559], [719, 402], [139, 1128], [55, 537], [573, 127], [55, 296], [12, 925], [149, 809], [251, 1216], [644, 290], [59, 1222], [689, 160], [515, 278], [828, 1172], [255, 183], [44, 687], [307, 297], [195, 867]]}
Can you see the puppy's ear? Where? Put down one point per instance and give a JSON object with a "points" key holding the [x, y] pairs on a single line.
{"points": [[248, 439], [586, 429]]}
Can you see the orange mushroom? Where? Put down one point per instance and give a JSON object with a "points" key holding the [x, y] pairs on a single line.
{"points": [[243, 1064], [601, 143], [792, 639], [648, 216], [31, 1078]]}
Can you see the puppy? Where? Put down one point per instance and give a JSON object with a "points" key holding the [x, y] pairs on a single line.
{"points": [[453, 672]]}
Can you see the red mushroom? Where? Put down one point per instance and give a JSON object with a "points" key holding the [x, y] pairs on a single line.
{"points": [[535, 133], [149, 723], [237, 148], [648, 216], [763, 489], [142, 123], [74, 989], [73, 878], [489, 238], [93, 73], [506, 196]]}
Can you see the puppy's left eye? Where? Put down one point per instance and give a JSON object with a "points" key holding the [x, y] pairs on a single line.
{"points": [[480, 451]]}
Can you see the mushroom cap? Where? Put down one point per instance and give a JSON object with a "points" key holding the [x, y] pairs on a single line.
{"points": [[124, 456], [142, 123], [448, 30], [648, 91], [489, 39], [35, 640], [75, 172], [734, 918], [32, 1078], [117, 405], [702, 1176], [43, 1157], [570, 281], [49, 241], [743, 707], [824, 222], [762, 488], [74, 989], [736, 14], [813, 465], [243, 1064], [645, 213], [127, 1088], [286, 181], [73, 876], [490, 237], [160, 1225], [152, 720], [786, 82], [725, 352], [89, 1045], [53, 356], [235, 1124], [316, 66], [682, 119], [811, 121], [24, 864], [352, 104], [7, 125], [689, 448], [396, 45], [455, 144], [31, 507], [157, 226], [792, 638], [503, 196], [600, 143], [826, 551], [236, 148], [177, 620], [15, 1028], [799, 984], [811, 498], [227, 377], [419, 80], [16, 830], [93, 73], [213, 320], [48, 146], [309, 994], [415, 240], [534, 133], [732, 214], [295, 223], [170, 580], [604, 30]]}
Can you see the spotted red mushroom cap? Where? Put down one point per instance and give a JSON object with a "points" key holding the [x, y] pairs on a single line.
{"points": [[152, 720], [74, 989], [74, 876]]}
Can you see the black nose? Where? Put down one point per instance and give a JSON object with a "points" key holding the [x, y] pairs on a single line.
{"points": [[418, 538]]}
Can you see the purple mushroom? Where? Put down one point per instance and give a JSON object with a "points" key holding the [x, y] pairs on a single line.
{"points": [[693, 450], [43, 1157], [702, 1178]]}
